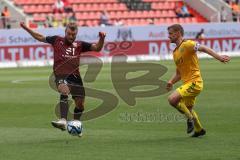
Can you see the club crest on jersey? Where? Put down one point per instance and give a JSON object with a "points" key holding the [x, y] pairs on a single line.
{"points": [[181, 50], [179, 61]]}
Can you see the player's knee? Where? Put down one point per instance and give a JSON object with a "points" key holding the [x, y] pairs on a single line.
{"points": [[190, 108], [63, 89], [64, 98], [172, 101]]}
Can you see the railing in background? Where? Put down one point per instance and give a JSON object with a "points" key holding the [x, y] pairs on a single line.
{"points": [[9, 22]]}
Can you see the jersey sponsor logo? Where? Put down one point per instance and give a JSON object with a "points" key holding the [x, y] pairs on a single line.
{"points": [[70, 51]]}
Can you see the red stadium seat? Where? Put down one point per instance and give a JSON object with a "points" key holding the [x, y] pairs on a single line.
{"points": [[162, 11], [95, 22], [175, 20], [158, 14], [122, 7], [125, 14], [30, 9], [19, 2], [40, 8], [165, 13], [109, 6], [152, 14], [58, 16], [181, 20], [168, 20], [132, 14], [143, 22], [187, 20], [39, 17], [119, 14], [48, 8], [161, 21], [171, 13], [193, 20], [144, 14], [92, 15]]}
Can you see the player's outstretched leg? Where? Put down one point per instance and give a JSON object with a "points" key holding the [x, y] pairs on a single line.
{"points": [[199, 130], [176, 101], [62, 123], [190, 122], [190, 126], [78, 110]]}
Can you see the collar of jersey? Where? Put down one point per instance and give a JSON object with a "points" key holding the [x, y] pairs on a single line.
{"points": [[179, 45]]}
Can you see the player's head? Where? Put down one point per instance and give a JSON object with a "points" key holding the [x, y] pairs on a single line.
{"points": [[5, 8], [71, 32], [175, 32]]}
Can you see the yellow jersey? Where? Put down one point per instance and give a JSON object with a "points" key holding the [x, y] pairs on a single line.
{"points": [[186, 60]]}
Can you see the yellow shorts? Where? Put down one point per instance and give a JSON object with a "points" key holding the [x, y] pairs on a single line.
{"points": [[189, 92]]}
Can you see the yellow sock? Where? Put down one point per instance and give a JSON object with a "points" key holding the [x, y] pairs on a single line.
{"points": [[197, 124], [183, 109]]}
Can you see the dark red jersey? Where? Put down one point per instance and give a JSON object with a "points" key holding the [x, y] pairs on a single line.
{"points": [[66, 57]]}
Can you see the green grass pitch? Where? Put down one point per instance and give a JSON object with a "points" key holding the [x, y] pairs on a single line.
{"points": [[27, 107]]}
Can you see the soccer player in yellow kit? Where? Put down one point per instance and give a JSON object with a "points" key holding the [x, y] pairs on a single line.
{"points": [[187, 70]]}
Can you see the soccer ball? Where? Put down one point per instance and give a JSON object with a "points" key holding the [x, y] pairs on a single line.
{"points": [[75, 128]]}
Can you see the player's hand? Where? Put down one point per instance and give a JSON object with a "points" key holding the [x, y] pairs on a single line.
{"points": [[169, 86], [102, 35], [225, 58], [22, 24]]}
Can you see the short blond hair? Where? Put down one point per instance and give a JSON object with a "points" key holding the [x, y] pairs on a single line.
{"points": [[176, 28]]}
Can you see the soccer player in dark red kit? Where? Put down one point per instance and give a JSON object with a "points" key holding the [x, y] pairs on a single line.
{"points": [[67, 53]]}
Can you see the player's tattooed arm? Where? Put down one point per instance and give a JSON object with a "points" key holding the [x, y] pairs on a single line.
{"points": [[209, 51], [98, 46], [34, 34]]}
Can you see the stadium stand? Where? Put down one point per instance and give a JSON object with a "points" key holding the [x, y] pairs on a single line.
{"points": [[131, 12]]}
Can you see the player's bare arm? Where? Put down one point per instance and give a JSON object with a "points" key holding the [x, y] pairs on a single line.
{"points": [[175, 78], [34, 34], [98, 46], [209, 51], [62, 88]]}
